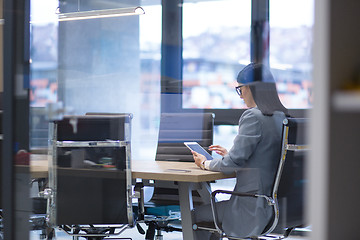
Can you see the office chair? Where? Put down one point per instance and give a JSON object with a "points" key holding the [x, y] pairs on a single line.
{"points": [[174, 130], [90, 183], [162, 212], [286, 198], [177, 128], [291, 193]]}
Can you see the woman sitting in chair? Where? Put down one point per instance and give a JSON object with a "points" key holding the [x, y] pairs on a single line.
{"points": [[254, 156]]}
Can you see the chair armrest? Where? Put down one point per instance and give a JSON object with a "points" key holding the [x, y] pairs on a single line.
{"points": [[241, 194], [269, 200]]}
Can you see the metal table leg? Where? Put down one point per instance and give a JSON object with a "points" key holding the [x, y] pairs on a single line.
{"points": [[186, 205]]}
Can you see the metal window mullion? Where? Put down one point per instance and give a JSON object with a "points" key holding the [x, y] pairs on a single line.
{"points": [[260, 31]]}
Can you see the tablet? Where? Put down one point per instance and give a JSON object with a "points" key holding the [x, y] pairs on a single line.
{"points": [[197, 148]]}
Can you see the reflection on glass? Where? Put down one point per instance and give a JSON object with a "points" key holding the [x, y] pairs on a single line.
{"points": [[81, 15], [89, 170], [107, 65]]}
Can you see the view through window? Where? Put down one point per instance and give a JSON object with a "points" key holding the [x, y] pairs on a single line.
{"points": [[216, 45], [216, 38], [291, 25]]}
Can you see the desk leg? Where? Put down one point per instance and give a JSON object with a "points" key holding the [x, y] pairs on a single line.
{"points": [[186, 205]]}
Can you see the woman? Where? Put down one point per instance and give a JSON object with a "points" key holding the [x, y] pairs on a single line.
{"points": [[254, 156]]}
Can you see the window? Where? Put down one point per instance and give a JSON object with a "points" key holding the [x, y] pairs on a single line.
{"points": [[291, 23], [216, 45]]}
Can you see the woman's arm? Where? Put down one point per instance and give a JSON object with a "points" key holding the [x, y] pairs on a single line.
{"points": [[245, 144]]}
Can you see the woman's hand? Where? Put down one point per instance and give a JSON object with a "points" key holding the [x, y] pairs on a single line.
{"points": [[218, 149], [199, 159]]}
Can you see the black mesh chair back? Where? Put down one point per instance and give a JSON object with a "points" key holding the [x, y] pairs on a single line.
{"points": [[291, 189], [177, 128], [174, 130]]}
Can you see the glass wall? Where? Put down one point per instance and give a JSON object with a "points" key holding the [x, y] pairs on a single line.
{"points": [[109, 65], [102, 66], [113, 65]]}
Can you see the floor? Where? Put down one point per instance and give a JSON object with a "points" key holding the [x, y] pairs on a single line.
{"points": [[135, 235]]}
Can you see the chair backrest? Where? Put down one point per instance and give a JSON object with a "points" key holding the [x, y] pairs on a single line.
{"points": [[174, 130], [177, 128], [289, 186], [89, 170]]}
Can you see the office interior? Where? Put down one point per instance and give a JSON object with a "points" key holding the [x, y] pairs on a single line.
{"points": [[183, 56]]}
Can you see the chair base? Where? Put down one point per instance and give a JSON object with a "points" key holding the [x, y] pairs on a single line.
{"points": [[158, 224], [210, 226], [92, 232]]}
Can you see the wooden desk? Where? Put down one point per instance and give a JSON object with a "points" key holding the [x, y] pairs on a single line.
{"points": [[155, 170], [187, 174], [173, 171], [39, 166]]}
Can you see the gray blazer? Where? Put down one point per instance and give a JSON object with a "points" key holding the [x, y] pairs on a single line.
{"points": [[254, 156]]}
